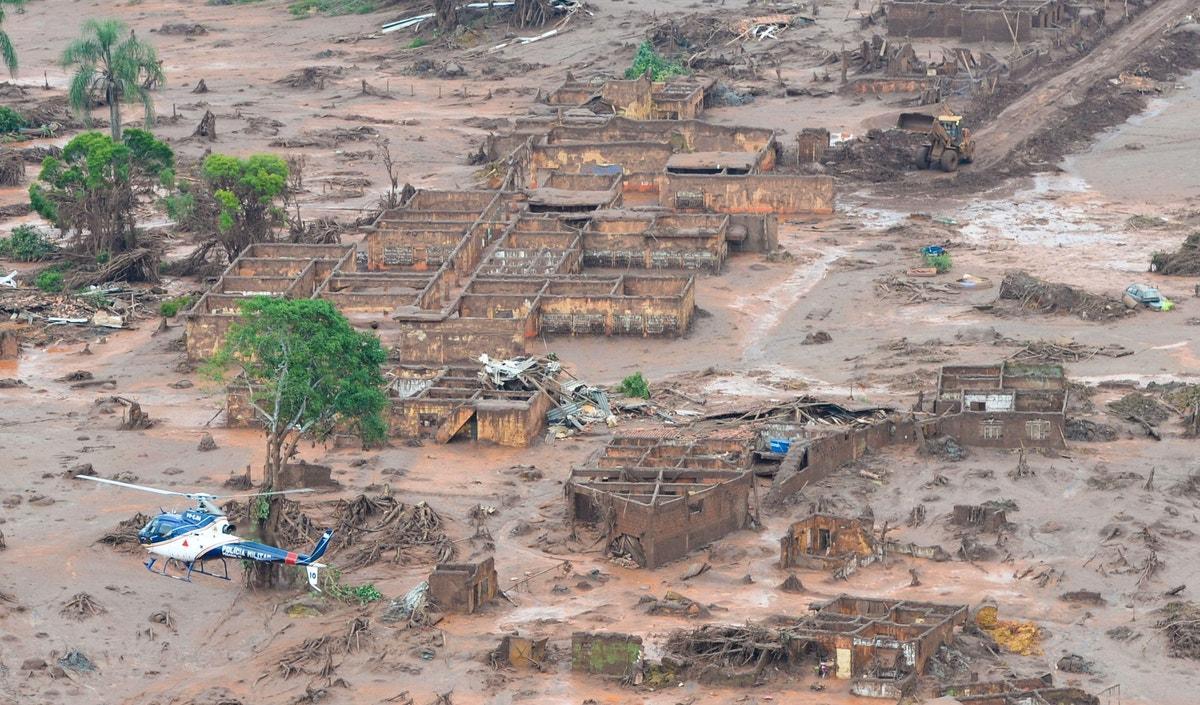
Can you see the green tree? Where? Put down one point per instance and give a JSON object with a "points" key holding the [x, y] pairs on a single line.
{"points": [[8, 54], [307, 372], [245, 191], [92, 189], [647, 60], [111, 64]]}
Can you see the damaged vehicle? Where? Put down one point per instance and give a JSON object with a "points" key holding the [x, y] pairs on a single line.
{"points": [[1146, 295]]}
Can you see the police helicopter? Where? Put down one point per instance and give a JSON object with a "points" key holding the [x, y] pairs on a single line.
{"points": [[193, 537]]}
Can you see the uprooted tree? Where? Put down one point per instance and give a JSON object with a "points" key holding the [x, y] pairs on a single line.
{"points": [[92, 191], [307, 373]]}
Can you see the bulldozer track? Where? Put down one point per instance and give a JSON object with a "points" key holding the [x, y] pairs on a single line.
{"points": [[1036, 110]]}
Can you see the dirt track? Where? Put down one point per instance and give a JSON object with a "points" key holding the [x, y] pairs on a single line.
{"points": [[1037, 109]]}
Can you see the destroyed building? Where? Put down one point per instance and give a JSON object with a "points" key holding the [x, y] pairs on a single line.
{"points": [[1019, 21], [656, 500], [451, 275], [843, 544], [824, 540], [463, 587], [677, 98], [449, 402], [881, 646], [1007, 405], [984, 518], [822, 451]]}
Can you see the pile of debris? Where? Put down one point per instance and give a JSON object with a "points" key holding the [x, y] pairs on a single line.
{"points": [[695, 33], [1048, 297], [109, 306], [1062, 351], [1183, 262], [768, 26], [673, 603], [806, 410], [912, 291], [1140, 407], [1089, 431], [124, 537], [878, 156], [382, 527], [311, 77], [12, 168], [714, 650], [1180, 623], [576, 404]]}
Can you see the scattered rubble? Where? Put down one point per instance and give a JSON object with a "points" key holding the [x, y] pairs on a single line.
{"points": [[81, 607]]}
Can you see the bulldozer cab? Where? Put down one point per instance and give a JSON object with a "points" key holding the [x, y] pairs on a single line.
{"points": [[952, 124]]}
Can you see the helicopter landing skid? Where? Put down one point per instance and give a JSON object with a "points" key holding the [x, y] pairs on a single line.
{"points": [[197, 567]]}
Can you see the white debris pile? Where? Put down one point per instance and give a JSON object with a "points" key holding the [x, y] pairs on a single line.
{"points": [[576, 403]]}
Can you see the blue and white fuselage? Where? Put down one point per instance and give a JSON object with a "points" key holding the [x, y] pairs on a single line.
{"points": [[194, 536]]}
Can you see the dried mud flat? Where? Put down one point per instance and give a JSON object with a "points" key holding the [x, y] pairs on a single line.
{"points": [[81, 621]]}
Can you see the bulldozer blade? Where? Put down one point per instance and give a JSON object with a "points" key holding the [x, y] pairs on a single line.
{"points": [[915, 122]]}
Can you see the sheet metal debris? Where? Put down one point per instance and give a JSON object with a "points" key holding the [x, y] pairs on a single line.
{"points": [[576, 404]]}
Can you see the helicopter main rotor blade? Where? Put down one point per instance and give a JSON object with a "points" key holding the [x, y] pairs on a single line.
{"points": [[118, 483], [261, 494]]}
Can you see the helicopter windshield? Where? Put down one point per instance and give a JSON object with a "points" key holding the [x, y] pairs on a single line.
{"points": [[154, 530]]}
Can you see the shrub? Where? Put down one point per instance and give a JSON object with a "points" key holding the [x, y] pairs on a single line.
{"points": [[10, 120], [417, 43], [635, 385], [170, 307], [50, 281], [362, 594], [647, 59], [26, 244], [939, 262]]}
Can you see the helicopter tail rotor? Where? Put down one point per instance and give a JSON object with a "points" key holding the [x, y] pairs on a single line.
{"points": [[318, 550]]}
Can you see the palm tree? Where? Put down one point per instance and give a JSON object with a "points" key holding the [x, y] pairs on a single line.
{"points": [[109, 60], [7, 54]]}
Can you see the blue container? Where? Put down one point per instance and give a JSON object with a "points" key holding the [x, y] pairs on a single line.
{"points": [[779, 445]]}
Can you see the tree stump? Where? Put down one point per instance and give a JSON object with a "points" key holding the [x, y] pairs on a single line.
{"points": [[10, 345], [207, 129]]}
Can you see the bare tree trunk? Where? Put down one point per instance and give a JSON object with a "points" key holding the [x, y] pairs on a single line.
{"points": [[447, 14], [114, 111], [266, 575]]}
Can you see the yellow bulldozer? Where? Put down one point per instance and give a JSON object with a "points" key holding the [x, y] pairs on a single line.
{"points": [[949, 145]]}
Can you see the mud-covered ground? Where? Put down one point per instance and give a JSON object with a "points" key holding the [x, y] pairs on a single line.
{"points": [[226, 643]]}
